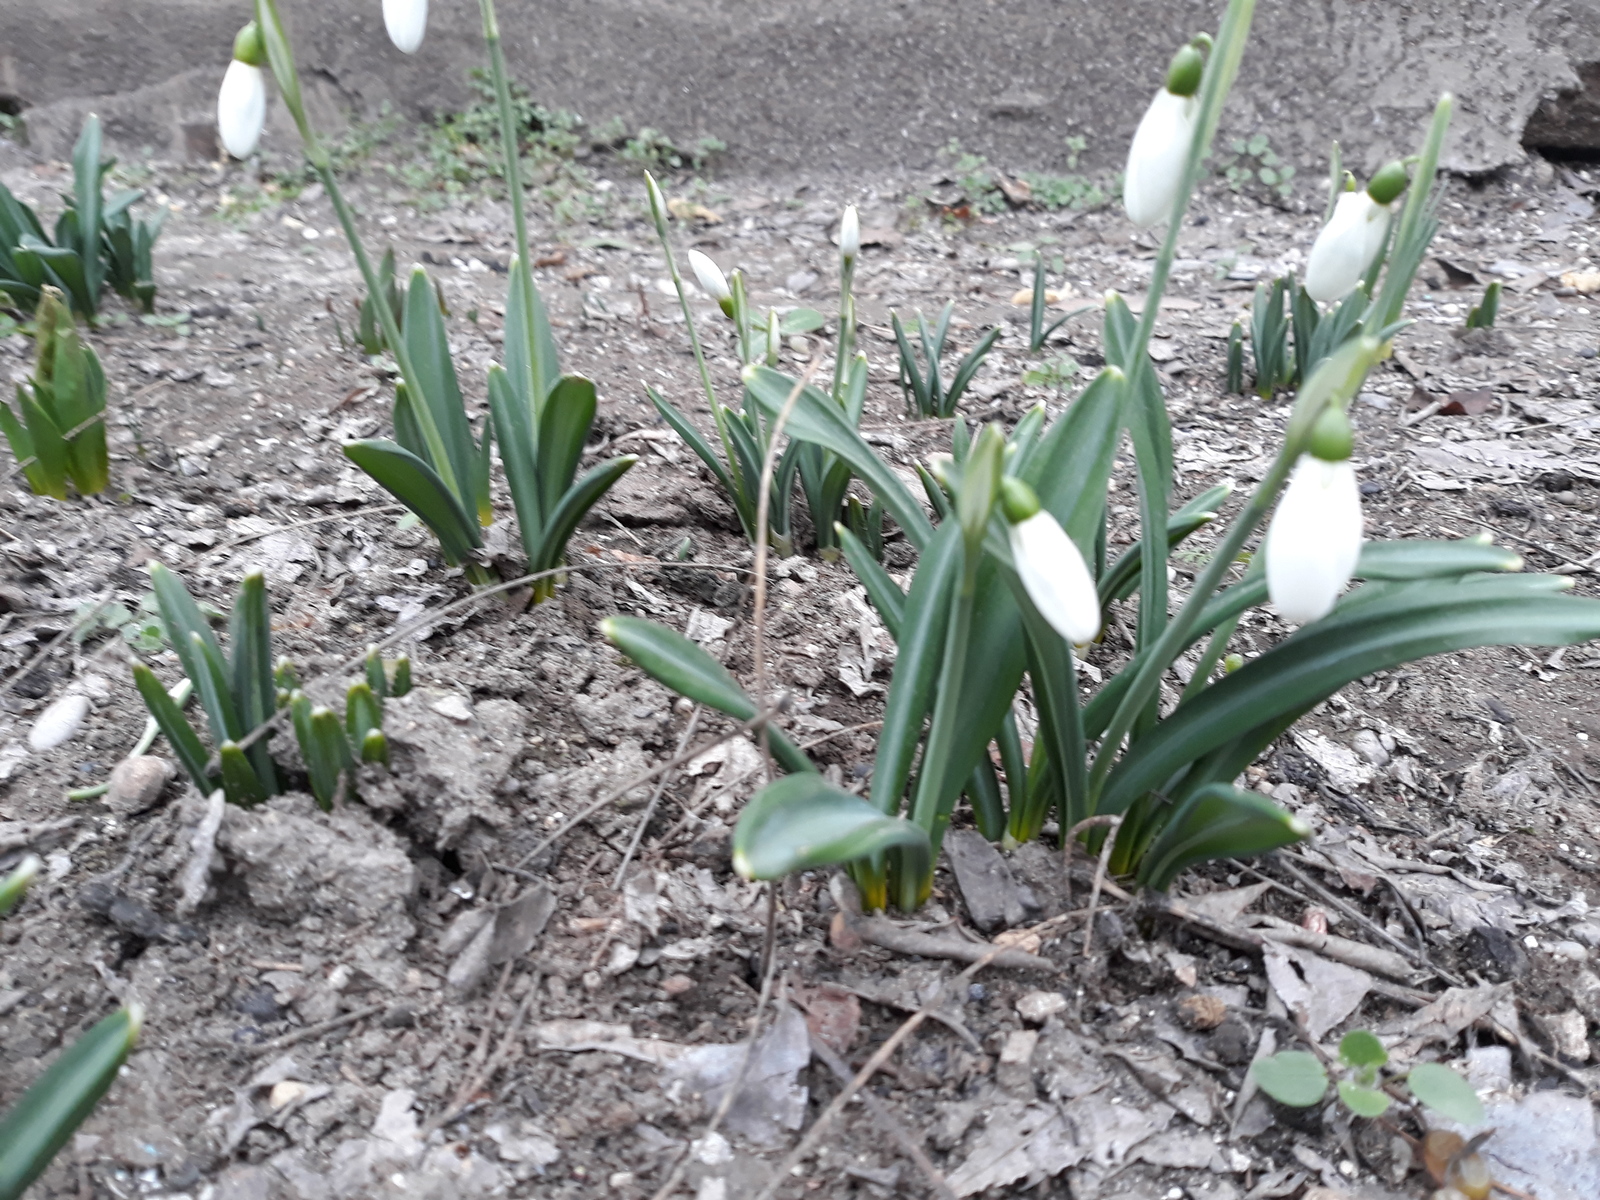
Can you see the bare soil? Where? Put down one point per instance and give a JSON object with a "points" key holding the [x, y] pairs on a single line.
{"points": [[316, 1026]]}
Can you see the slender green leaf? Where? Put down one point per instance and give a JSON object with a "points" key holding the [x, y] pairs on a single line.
{"points": [[674, 661], [1218, 821], [1292, 1077], [400, 676], [803, 821], [240, 783], [86, 200], [375, 747], [49, 447], [1391, 624], [60, 1099], [685, 429], [563, 428], [1071, 464], [174, 727], [255, 691], [182, 617], [575, 502], [817, 419], [1404, 560], [1118, 581], [883, 591], [14, 884], [435, 372], [968, 368], [327, 755], [363, 712], [920, 638], [514, 428], [416, 485], [216, 695]]}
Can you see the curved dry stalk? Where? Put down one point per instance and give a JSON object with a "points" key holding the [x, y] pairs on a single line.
{"points": [[655, 799]]}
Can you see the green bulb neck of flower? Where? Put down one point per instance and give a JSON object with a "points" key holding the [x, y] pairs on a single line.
{"points": [[1017, 500], [1386, 186], [1349, 181], [249, 46], [1332, 438], [1184, 75]]}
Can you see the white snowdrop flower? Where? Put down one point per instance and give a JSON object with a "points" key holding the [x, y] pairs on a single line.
{"points": [[711, 278], [1346, 247], [242, 108], [1056, 577], [1156, 158], [1160, 146], [1314, 541], [406, 21], [849, 233]]}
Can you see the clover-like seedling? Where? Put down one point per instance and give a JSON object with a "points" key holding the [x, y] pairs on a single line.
{"points": [[1299, 1079]]}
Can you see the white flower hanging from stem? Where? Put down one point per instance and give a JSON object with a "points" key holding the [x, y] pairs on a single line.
{"points": [[242, 101], [1160, 149], [1050, 566], [1314, 541], [407, 22], [1354, 236]]}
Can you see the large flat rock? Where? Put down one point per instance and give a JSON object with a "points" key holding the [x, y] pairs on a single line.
{"points": [[796, 85]]}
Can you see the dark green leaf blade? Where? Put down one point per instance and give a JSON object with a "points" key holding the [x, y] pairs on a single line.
{"points": [[564, 425], [802, 821], [416, 485], [174, 727], [1217, 821], [61, 1098]]}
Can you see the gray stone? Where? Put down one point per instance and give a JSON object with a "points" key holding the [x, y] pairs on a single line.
{"points": [[137, 782], [994, 898]]}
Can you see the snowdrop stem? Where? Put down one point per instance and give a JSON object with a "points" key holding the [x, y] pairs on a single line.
{"points": [[1391, 303], [844, 351], [658, 214], [1335, 381], [509, 136], [281, 57], [1221, 69]]}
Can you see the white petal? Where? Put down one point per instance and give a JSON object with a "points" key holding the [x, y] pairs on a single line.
{"points": [[58, 723], [1156, 158], [1345, 248], [241, 108], [850, 233], [710, 276], [406, 21], [1314, 541], [1056, 577]]}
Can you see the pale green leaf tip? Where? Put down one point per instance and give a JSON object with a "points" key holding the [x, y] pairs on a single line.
{"points": [[749, 373], [135, 1021], [26, 870], [741, 864]]}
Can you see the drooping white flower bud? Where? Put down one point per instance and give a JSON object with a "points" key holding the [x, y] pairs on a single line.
{"points": [[1050, 566], [1314, 541], [1156, 158], [406, 21], [712, 281], [242, 108], [1347, 246], [849, 233]]}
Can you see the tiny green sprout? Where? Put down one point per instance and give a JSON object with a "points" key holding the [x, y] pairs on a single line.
{"points": [[1235, 382], [1232, 663], [14, 884], [1300, 1080], [1483, 315]]}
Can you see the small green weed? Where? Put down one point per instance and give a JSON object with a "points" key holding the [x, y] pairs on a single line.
{"points": [[987, 192], [1250, 165]]}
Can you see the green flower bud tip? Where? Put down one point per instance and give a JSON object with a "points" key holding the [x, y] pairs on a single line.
{"points": [[1017, 499], [1183, 76], [1332, 439], [1232, 663], [1388, 183], [249, 46]]}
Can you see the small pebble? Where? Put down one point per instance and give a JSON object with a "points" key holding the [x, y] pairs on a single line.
{"points": [[1036, 1007], [286, 1092], [58, 723], [136, 782], [677, 985]]}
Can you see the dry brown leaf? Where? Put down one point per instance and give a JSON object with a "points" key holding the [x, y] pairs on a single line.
{"points": [[1585, 283], [686, 209]]}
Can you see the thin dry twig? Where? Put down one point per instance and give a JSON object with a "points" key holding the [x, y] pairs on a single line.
{"points": [[675, 1177], [862, 1077], [481, 1078], [908, 1144], [317, 1030], [82, 622], [677, 760], [1115, 823], [655, 799], [1070, 839]]}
